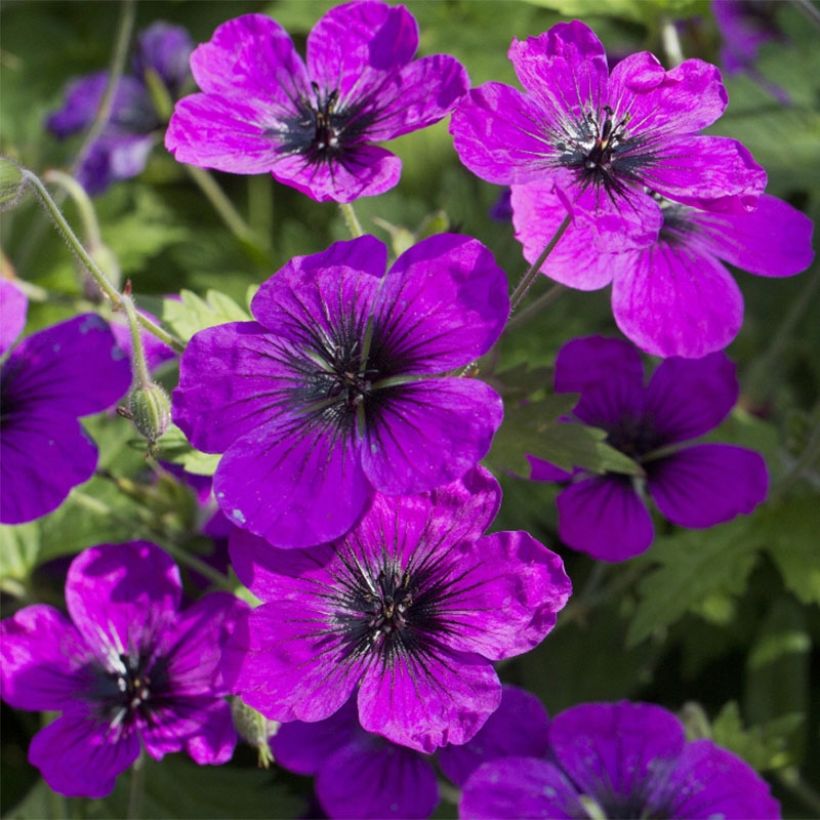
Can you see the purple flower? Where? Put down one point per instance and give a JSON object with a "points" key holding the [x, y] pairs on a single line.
{"points": [[693, 485], [619, 760], [502, 209], [329, 395], [313, 125], [128, 671], [674, 297], [410, 609], [51, 378], [602, 140], [121, 151], [363, 775]]}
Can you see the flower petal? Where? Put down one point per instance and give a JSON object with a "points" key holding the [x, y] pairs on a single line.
{"points": [[13, 307], [541, 470], [41, 459], [81, 757], [713, 173], [122, 597], [605, 518], [113, 157], [429, 433], [775, 239], [42, 654], [688, 397], [517, 728], [506, 597], [708, 484], [442, 305], [371, 778], [215, 741], [675, 300], [428, 701]]}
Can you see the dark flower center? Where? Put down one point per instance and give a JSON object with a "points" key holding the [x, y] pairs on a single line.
{"points": [[677, 226], [634, 438]]}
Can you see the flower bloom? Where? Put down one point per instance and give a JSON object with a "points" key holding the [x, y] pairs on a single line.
{"points": [[313, 125], [693, 485], [410, 609], [121, 151], [619, 760], [47, 381], [363, 775], [329, 396], [674, 297], [602, 139], [128, 671]]}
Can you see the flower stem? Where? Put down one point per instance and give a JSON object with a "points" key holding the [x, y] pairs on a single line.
{"points": [[136, 787], [532, 272], [192, 562], [91, 227], [542, 302], [351, 220], [91, 267], [671, 42], [139, 364]]}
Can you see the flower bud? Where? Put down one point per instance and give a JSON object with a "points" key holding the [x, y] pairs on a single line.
{"points": [[12, 184], [255, 729], [150, 410]]}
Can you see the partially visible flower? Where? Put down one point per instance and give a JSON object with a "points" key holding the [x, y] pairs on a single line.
{"points": [[333, 392], [502, 209], [408, 611], [601, 139], [619, 760], [674, 297], [745, 26], [47, 381], [359, 774], [128, 671], [693, 485], [121, 150], [313, 125]]}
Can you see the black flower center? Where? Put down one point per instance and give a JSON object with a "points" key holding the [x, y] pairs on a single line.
{"points": [[677, 225], [634, 438]]}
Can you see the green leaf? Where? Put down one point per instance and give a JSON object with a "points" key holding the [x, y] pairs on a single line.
{"points": [[176, 448], [19, 551], [693, 564], [639, 11], [192, 313]]}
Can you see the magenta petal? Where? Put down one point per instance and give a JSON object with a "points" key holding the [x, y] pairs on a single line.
{"points": [[775, 239], [215, 739], [675, 300], [689, 397], [254, 56], [517, 728], [541, 470], [354, 45], [512, 586], [428, 703], [74, 368], [290, 667], [708, 782], [518, 787], [429, 433], [295, 484], [120, 596], [442, 305], [41, 459], [81, 757], [41, 655], [13, 307], [707, 484], [371, 778], [605, 518], [228, 133], [499, 134], [463, 510], [714, 173]]}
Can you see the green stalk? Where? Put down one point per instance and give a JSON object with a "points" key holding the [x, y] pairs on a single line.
{"points": [[532, 272], [351, 220]]}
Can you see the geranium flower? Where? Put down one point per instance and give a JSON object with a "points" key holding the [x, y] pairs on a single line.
{"points": [[359, 774], [313, 125], [51, 378], [602, 139], [693, 485], [121, 150], [674, 297], [129, 671], [409, 610], [619, 760], [330, 396]]}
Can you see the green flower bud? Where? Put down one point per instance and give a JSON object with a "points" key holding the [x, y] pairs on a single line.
{"points": [[150, 410], [255, 729], [12, 184]]}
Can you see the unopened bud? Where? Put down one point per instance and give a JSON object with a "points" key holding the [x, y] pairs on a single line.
{"points": [[255, 729], [12, 184], [150, 410]]}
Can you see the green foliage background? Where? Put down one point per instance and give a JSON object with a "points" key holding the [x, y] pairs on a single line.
{"points": [[728, 619]]}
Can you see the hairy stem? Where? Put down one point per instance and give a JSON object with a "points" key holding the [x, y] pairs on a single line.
{"points": [[91, 227], [529, 277], [533, 309], [351, 220], [139, 364]]}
